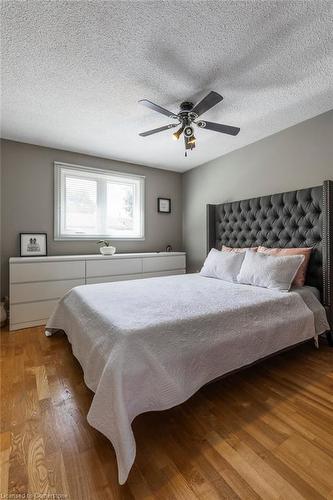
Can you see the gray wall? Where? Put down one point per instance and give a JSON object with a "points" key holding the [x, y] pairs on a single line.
{"points": [[298, 157], [27, 202]]}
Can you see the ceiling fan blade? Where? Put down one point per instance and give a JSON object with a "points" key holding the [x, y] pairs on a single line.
{"points": [[159, 129], [219, 127], [206, 103], [156, 107]]}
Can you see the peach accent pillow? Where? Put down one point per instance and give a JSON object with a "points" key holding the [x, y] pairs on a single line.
{"points": [[237, 250], [299, 279]]}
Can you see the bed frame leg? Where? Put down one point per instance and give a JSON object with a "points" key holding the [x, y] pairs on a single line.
{"points": [[329, 336]]}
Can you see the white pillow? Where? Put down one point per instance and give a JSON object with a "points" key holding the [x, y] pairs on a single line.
{"points": [[222, 265], [269, 271]]}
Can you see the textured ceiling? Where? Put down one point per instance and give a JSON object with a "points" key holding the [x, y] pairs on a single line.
{"points": [[72, 72]]}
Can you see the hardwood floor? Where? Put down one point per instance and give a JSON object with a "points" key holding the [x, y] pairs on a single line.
{"points": [[266, 432]]}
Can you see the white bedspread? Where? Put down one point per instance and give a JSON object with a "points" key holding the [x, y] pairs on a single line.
{"points": [[150, 344]]}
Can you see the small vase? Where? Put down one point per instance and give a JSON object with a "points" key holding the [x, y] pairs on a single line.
{"points": [[107, 250], [3, 314]]}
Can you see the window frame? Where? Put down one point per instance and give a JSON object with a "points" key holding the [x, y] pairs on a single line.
{"points": [[58, 205]]}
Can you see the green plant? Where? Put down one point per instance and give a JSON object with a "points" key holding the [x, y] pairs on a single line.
{"points": [[105, 243]]}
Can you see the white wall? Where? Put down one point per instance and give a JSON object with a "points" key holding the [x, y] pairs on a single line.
{"points": [[298, 157]]}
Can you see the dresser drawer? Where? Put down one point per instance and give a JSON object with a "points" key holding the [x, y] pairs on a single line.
{"points": [[151, 264], [158, 274], [30, 292], [34, 311], [113, 267], [109, 279], [46, 271]]}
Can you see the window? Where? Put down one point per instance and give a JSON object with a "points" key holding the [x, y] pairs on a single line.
{"points": [[91, 203]]}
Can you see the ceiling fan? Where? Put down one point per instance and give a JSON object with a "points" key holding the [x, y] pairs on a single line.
{"points": [[187, 116]]}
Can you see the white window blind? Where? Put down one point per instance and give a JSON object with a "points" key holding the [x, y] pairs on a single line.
{"points": [[93, 203]]}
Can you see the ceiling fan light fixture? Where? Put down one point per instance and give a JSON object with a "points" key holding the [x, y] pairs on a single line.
{"points": [[188, 131], [192, 140], [178, 133]]}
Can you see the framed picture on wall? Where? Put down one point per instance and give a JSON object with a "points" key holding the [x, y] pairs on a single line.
{"points": [[33, 244], [164, 205]]}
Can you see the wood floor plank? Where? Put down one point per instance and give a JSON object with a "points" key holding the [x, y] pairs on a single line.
{"points": [[22, 436], [264, 433], [57, 476], [138, 486], [5, 449], [43, 390], [252, 476], [266, 471], [201, 475], [309, 462], [37, 469]]}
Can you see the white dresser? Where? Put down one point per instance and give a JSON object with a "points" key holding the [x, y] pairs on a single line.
{"points": [[37, 283]]}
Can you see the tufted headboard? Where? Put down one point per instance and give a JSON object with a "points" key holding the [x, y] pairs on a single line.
{"points": [[302, 218]]}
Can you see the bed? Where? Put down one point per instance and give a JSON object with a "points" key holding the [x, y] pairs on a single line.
{"points": [[150, 344]]}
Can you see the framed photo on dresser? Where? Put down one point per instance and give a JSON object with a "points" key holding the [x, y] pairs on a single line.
{"points": [[33, 244]]}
